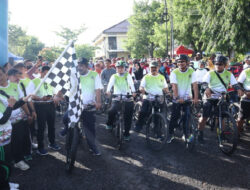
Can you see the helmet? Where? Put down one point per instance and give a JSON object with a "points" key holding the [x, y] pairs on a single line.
{"points": [[153, 64], [182, 57], [120, 64], [221, 59]]}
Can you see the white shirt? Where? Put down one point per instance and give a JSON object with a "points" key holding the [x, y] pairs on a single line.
{"points": [[199, 74]]}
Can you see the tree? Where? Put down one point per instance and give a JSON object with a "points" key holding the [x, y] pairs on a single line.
{"points": [[68, 34], [226, 26], [139, 41], [85, 50], [33, 47], [50, 54]]}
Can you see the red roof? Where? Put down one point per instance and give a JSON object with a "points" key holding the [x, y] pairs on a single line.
{"points": [[182, 50]]}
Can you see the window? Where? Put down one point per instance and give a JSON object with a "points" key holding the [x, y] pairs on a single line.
{"points": [[112, 43]]}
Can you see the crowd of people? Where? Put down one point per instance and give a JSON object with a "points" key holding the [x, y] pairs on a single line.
{"points": [[25, 115]]}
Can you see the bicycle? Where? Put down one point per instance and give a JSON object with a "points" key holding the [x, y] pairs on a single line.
{"points": [[156, 125], [226, 129], [191, 128], [73, 139], [119, 120]]}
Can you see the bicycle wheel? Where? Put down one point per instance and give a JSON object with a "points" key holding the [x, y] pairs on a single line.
{"points": [[156, 131], [72, 141], [137, 109], [228, 134], [192, 133]]}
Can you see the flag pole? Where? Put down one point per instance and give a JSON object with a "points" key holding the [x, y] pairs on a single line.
{"points": [[54, 65]]}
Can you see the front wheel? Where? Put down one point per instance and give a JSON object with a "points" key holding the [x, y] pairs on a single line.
{"points": [[72, 141], [192, 133], [227, 134], [156, 131]]}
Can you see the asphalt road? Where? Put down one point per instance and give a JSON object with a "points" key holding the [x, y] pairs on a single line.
{"points": [[137, 167]]}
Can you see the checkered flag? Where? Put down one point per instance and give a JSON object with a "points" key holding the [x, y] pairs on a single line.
{"points": [[60, 74], [75, 97], [64, 77]]}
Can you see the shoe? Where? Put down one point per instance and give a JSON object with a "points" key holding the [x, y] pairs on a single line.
{"points": [[200, 137], [108, 127], [22, 165], [42, 152], [34, 146], [14, 185], [190, 138], [183, 138], [28, 158], [96, 152], [63, 132], [126, 138], [170, 138], [138, 128], [54, 147]]}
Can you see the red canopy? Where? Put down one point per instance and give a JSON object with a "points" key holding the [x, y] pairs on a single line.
{"points": [[182, 50]]}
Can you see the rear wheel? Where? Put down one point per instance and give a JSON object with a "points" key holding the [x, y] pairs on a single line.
{"points": [[72, 142], [156, 131], [228, 135]]}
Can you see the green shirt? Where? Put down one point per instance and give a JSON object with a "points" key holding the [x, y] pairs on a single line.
{"points": [[45, 89]]}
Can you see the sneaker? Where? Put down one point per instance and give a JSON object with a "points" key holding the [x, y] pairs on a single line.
{"points": [[42, 152], [190, 138], [126, 138], [22, 165], [200, 137], [96, 152], [28, 158], [63, 132], [108, 127], [170, 138], [183, 138], [14, 185], [54, 147], [138, 128], [34, 146]]}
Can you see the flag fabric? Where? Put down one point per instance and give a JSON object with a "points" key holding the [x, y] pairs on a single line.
{"points": [[65, 78]]}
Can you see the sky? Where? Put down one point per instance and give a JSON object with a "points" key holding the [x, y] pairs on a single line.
{"points": [[41, 18]]}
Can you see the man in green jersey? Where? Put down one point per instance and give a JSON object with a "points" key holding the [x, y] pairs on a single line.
{"points": [[91, 85], [214, 88], [123, 85], [182, 79], [244, 81], [45, 101], [153, 84]]}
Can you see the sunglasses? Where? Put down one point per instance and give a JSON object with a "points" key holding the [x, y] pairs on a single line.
{"points": [[181, 61]]}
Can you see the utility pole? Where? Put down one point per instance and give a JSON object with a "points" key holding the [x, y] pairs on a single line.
{"points": [[3, 32], [172, 31], [166, 20]]}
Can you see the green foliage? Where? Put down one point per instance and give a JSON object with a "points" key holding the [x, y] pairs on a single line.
{"points": [[50, 54], [22, 44], [32, 48], [141, 30], [68, 34], [226, 25], [85, 50]]}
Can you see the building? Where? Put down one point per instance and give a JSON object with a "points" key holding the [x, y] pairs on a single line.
{"points": [[111, 41]]}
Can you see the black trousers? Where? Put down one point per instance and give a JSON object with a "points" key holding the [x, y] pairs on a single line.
{"points": [[45, 115], [5, 162], [88, 120], [128, 113], [176, 112], [20, 141]]}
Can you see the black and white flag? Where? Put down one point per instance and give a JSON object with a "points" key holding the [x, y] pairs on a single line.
{"points": [[63, 76]]}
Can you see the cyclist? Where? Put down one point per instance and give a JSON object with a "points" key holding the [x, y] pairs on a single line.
{"points": [[199, 74], [215, 82], [123, 84], [244, 81], [152, 83], [181, 80]]}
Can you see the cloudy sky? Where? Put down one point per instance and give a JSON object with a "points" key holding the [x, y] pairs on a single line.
{"points": [[41, 17]]}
